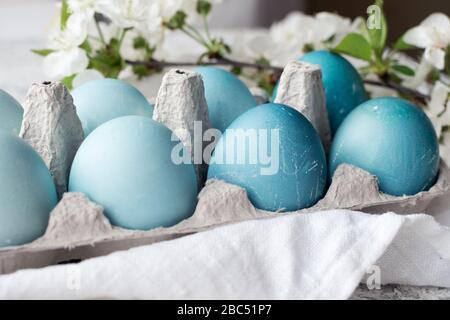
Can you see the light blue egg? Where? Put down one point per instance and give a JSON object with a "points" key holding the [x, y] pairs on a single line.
{"points": [[102, 100], [126, 166], [344, 87], [11, 113], [27, 192], [226, 95], [393, 140], [284, 171]]}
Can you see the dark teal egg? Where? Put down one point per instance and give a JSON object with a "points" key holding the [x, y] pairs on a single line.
{"points": [[344, 87], [274, 153], [226, 95], [391, 139]]}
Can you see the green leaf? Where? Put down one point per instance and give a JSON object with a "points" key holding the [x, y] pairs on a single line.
{"points": [[86, 46], [376, 29], [177, 21], [68, 81], [65, 14], [407, 71], [203, 7], [108, 60], [400, 44], [355, 45], [42, 52]]}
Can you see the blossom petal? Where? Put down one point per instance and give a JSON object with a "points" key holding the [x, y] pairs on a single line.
{"points": [[61, 64], [437, 20], [423, 70], [419, 36], [435, 56]]}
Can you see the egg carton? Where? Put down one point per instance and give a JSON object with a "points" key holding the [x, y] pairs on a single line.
{"points": [[78, 228]]}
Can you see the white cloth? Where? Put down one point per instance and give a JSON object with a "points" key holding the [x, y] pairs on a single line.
{"points": [[321, 255]]}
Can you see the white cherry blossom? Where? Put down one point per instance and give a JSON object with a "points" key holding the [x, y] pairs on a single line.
{"points": [[126, 13], [433, 34]]}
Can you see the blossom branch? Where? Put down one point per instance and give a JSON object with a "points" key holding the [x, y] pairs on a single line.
{"points": [[222, 61], [156, 64]]}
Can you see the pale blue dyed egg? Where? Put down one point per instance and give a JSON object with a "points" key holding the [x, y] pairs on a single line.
{"points": [[285, 173], [391, 139], [11, 113], [227, 96], [102, 100], [27, 192], [344, 87], [125, 165]]}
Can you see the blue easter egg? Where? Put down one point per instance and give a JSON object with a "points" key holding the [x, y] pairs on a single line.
{"points": [[273, 152], [102, 100], [344, 87], [125, 165], [11, 113], [226, 95], [393, 140], [27, 192]]}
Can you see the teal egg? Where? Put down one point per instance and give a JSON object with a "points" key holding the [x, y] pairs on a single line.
{"points": [[344, 87], [282, 166], [126, 166], [226, 95], [27, 192], [102, 100], [11, 113], [391, 139]]}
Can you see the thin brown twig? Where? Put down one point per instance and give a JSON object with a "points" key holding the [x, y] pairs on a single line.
{"points": [[218, 62]]}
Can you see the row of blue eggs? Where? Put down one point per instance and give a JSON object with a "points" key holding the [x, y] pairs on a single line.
{"points": [[125, 164]]}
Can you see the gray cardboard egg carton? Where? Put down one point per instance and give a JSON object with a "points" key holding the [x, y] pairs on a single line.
{"points": [[78, 228]]}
